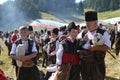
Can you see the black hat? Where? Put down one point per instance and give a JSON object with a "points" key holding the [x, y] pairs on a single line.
{"points": [[91, 16], [55, 31], [30, 28], [71, 26]]}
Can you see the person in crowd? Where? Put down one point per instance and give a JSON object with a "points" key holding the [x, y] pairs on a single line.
{"points": [[14, 36], [52, 49], [45, 56], [67, 59], [79, 36], [62, 31], [8, 43], [92, 56], [117, 40], [112, 35], [1, 49], [28, 70]]}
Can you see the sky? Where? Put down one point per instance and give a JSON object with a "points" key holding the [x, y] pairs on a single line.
{"points": [[2, 1], [77, 1]]}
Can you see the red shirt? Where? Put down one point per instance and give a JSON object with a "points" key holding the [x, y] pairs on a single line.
{"points": [[14, 38], [2, 76]]}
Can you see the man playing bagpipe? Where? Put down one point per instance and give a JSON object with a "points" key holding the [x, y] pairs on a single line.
{"points": [[94, 49], [26, 69]]}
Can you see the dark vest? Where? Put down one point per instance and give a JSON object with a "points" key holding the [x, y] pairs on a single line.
{"points": [[118, 37], [98, 55], [70, 52], [30, 45], [52, 45], [84, 40]]}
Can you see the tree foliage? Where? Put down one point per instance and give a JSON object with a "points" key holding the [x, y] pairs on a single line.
{"points": [[32, 7], [102, 5]]}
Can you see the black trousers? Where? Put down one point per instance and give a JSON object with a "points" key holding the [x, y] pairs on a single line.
{"points": [[29, 73], [75, 72], [93, 71]]}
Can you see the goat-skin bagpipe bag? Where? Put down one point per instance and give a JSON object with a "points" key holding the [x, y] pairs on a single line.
{"points": [[87, 56], [92, 56]]}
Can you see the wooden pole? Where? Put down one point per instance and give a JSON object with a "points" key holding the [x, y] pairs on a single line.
{"points": [[18, 73]]}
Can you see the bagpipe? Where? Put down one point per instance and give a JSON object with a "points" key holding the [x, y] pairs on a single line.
{"points": [[20, 51], [91, 56]]}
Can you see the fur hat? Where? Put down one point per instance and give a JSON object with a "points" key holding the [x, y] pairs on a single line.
{"points": [[91, 16]]}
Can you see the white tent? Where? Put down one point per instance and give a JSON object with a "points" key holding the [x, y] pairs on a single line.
{"points": [[112, 20]]}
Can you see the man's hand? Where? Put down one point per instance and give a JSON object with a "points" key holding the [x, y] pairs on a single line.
{"points": [[92, 48], [59, 67], [22, 58]]}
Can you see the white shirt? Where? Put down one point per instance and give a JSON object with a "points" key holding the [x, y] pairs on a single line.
{"points": [[59, 54], [60, 33], [13, 50], [118, 28], [79, 36], [53, 52], [106, 39]]}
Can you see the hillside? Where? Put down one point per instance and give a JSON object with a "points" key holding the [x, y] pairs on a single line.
{"points": [[66, 18], [78, 18], [109, 14]]}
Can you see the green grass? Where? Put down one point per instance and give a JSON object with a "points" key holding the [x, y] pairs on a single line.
{"points": [[112, 65], [109, 14], [77, 18], [48, 16]]}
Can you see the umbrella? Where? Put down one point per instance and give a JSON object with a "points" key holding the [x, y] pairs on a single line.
{"points": [[47, 23]]}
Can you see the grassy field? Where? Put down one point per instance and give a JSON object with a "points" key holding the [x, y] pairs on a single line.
{"points": [[112, 65], [76, 17], [107, 14]]}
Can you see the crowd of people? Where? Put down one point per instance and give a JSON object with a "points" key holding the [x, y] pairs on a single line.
{"points": [[68, 53]]}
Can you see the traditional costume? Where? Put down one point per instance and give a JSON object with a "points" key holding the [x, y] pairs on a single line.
{"points": [[92, 62]]}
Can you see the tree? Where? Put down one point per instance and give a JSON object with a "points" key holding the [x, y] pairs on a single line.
{"points": [[30, 7], [102, 5], [114, 4], [80, 8]]}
